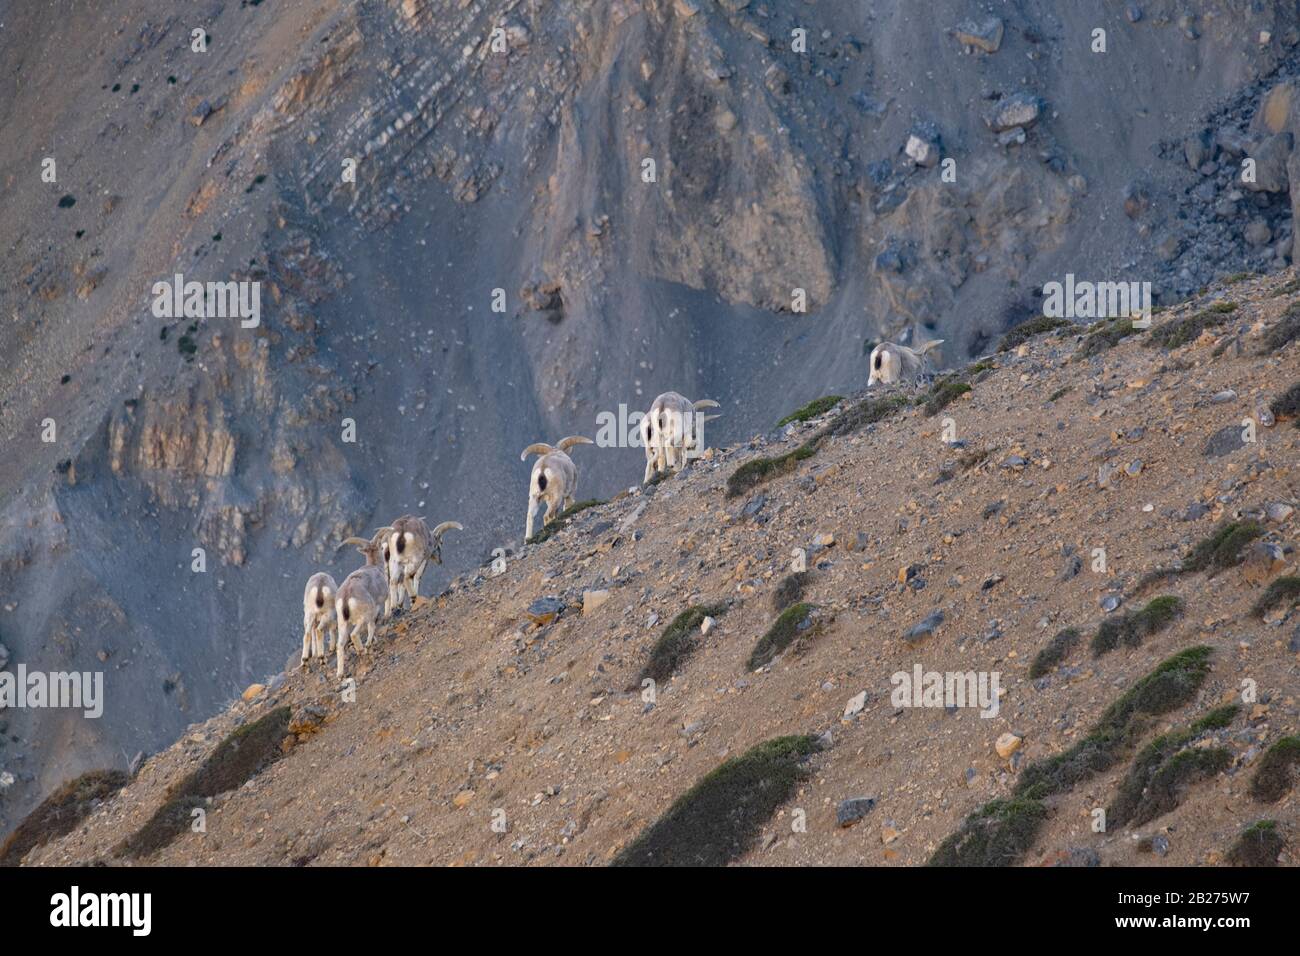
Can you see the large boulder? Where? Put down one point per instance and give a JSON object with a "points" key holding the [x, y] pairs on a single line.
{"points": [[1274, 112], [983, 34], [1270, 155], [1293, 174], [1198, 149], [1019, 110]]}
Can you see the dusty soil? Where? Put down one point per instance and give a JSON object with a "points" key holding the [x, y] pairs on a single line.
{"points": [[467, 709]]}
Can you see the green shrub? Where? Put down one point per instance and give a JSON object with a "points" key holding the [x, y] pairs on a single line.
{"points": [[718, 819], [1179, 332], [1273, 778], [236, 760], [997, 834], [677, 642], [1160, 775], [1282, 334], [60, 812], [759, 470], [779, 636], [548, 530], [817, 406], [1025, 331], [790, 590], [1216, 719], [1223, 548], [864, 413], [1057, 650], [1287, 405], [1000, 832], [1258, 845], [1132, 629], [1279, 591], [1105, 335], [1166, 688], [943, 393]]}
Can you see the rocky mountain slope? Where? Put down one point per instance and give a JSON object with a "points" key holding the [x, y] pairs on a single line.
{"points": [[485, 728], [503, 145]]}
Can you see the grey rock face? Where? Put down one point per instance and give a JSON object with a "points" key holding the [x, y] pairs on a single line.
{"points": [[1020, 109], [985, 34]]}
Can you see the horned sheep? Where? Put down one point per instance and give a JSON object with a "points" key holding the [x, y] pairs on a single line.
{"points": [[892, 364], [364, 597], [411, 546], [671, 432], [318, 616], [554, 478]]}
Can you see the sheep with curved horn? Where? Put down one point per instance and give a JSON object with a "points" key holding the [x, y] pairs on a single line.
{"points": [[363, 599], [318, 616], [673, 432], [554, 478], [891, 364], [411, 546]]}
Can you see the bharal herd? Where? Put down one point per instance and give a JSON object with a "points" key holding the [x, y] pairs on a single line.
{"points": [[397, 555]]}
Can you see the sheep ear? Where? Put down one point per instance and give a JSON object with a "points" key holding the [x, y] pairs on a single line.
{"points": [[537, 448], [706, 403], [565, 444], [446, 526]]}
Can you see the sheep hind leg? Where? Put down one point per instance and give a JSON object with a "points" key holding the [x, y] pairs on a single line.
{"points": [[528, 527], [341, 642], [413, 583], [307, 637]]}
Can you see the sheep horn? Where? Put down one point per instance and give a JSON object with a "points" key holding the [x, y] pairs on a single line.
{"points": [[446, 526], [538, 448]]}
